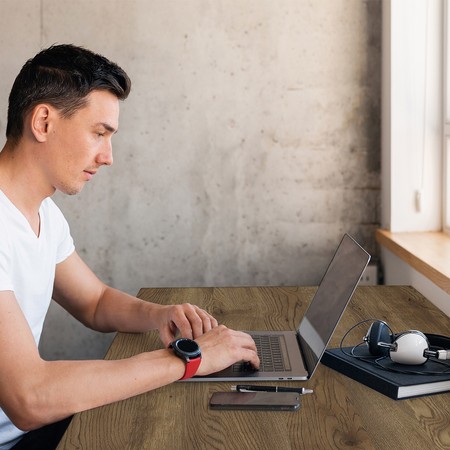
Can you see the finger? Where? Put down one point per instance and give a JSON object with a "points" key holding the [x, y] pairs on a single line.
{"points": [[185, 327], [199, 320], [253, 358], [223, 347], [208, 321], [247, 340], [168, 334], [249, 348], [190, 320]]}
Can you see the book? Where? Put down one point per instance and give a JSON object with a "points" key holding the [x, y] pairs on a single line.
{"points": [[394, 380]]}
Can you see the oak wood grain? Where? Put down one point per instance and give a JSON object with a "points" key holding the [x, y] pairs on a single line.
{"points": [[341, 414]]}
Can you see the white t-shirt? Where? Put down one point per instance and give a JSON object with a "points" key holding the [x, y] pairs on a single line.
{"points": [[27, 267]]}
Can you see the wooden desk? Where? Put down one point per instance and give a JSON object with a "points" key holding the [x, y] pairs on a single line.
{"points": [[341, 413]]}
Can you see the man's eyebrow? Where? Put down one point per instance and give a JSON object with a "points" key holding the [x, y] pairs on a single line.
{"points": [[108, 127]]}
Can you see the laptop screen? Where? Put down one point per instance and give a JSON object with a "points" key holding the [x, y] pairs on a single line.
{"points": [[330, 300]]}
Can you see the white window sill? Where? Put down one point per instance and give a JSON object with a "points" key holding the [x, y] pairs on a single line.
{"points": [[427, 252]]}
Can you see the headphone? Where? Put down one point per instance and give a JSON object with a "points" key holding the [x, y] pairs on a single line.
{"points": [[409, 347]]}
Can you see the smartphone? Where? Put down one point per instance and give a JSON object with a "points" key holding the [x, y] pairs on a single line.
{"points": [[256, 401]]}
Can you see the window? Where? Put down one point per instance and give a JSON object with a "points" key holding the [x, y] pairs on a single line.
{"points": [[412, 108], [446, 119]]}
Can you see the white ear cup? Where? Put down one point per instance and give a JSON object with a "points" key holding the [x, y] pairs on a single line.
{"points": [[409, 348]]}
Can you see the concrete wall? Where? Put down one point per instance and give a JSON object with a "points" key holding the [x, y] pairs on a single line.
{"points": [[249, 144]]}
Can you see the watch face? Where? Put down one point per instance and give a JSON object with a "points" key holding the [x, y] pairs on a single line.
{"points": [[189, 347]]}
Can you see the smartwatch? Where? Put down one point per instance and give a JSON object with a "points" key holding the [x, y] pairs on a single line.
{"points": [[189, 351]]}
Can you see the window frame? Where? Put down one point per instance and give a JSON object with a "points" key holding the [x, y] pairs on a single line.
{"points": [[446, 121]]}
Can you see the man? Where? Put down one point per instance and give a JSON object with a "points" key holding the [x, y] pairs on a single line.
{"points": [[63, 112]]}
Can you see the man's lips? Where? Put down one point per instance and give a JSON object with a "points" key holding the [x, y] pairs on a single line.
{"points": [[90, 173]]}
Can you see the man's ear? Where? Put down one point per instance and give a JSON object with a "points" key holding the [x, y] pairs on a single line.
{"points": [[39, 122]]}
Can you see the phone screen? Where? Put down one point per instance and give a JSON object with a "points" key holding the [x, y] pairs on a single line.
{"points": [[262, 401]]}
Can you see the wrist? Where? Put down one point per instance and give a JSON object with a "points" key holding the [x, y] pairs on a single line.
{"points": [[188, 351], [152, 314], [176, 366]]}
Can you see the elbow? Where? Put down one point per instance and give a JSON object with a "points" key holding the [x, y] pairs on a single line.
{"points": [[27, 412], [30, 397], [26, 419], [23, 423], [29, 422]]}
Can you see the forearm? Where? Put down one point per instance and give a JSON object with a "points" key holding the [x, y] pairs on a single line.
{"points": [[67, 387], [98, 306], [103, 308], [118, 311], [58, 389]]}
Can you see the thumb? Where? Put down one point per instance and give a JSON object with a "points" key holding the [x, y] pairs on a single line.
{"points": [[167, 335]]}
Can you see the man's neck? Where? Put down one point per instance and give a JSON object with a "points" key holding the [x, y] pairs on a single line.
{"points": [[19, 181]]}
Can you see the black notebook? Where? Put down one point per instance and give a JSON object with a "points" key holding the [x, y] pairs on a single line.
{"points": [[393, 384]]}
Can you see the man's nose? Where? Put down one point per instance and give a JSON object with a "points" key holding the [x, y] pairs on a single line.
{"points": [[105, 157]]}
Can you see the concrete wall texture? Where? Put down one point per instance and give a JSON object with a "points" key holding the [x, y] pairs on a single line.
{"points": [[249, 144]]}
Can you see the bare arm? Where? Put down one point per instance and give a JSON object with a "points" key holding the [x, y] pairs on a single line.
{"points": [[34, 392], [103, 308]]}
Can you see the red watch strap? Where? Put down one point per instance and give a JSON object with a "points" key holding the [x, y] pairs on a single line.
{"points": [[191, 367]]}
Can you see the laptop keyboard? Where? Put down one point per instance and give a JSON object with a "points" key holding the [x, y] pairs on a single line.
{"points": [[270, 355]]}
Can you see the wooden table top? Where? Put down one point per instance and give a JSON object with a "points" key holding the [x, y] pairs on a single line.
{"points": [[340, 414]]}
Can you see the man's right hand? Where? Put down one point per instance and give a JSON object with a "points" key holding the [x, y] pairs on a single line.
{"points": [[221, 347]]}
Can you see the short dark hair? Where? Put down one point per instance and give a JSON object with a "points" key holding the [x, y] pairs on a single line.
{"points": [[63, 76]]}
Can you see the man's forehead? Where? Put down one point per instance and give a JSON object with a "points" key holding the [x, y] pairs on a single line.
{"points": [[104, 107]]}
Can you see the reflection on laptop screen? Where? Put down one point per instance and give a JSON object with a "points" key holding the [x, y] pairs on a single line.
{"points": [[331, 298]]}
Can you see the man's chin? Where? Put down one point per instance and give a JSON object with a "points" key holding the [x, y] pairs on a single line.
{"points": [[70, 190]]}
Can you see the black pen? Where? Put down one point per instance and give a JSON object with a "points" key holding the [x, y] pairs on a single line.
{"points": [[248, 388]]}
